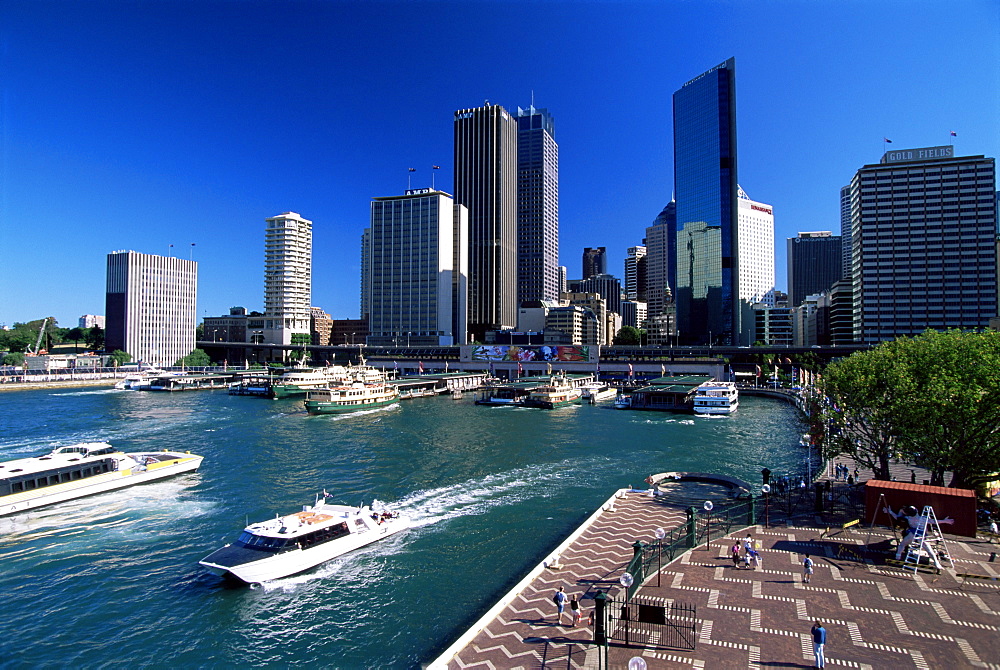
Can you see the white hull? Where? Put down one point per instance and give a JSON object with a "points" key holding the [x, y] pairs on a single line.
{"points": [[707, 411], [293, 562], [109, 481]]}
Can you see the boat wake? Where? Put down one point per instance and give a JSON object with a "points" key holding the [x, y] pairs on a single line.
{"points": [[94, 392], [361, 412], [476, 496]]}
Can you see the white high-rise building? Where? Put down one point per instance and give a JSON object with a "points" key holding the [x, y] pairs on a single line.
{"points": [[756, 258], [287, 279], [417, 268], [151, 306]]}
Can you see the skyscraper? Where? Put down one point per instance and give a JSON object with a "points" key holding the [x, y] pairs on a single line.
{"points": [[537, 206], [486, 183], [635, 273], [287, 279], [923, 243], [595, 262], [661, 260], [417, 292], [815, 263], [151, 306], [706, 191], [756, 260]]}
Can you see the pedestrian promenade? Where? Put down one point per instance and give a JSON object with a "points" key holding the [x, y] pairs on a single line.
{"points": [[876, 615]]}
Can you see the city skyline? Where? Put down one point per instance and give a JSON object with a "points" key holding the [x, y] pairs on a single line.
{"points": [[199, 129]]}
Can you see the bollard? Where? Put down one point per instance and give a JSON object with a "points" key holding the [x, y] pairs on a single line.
{"points": [[600, 603], [637, 549], [752, 511]]}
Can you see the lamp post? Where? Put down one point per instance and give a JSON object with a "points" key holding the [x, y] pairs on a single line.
{"points": [[660, 534], [708, 526], [766, 489]]}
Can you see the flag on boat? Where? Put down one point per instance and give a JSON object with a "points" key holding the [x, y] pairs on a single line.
{"points": [[629, 369], [758, 371], [420, 366]]}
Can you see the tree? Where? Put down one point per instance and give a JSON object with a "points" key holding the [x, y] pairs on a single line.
{"points": [[95, 338], [196, 359], [14, 358], [119, 357], [930, 398], [628, 335], [76, 334]]}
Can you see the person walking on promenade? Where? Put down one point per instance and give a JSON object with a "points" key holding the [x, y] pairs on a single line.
{"points": [[735, 552], [807, 569], [560, 600], [819, 644], [755, 555], [574, 608]]}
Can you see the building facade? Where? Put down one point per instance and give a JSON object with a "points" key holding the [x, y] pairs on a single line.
{"points": [[815, 263], [415, 240], [231, 328], [287, 279], [486, 184], [635, 273], [756, 253], [151, 306], [924, 243], [607, 286], [537, 206], [705, 184], [91, 320], [595, 262]]}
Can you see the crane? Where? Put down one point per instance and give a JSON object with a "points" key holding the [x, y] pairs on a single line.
{"points": [[38, 342]]}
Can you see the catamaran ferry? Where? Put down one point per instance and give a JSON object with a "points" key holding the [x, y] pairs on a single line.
{"points": [[716, 398], [81, 470], [287, 545]]}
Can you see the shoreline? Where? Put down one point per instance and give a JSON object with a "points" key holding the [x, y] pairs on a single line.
{"points": [[68, 383]]}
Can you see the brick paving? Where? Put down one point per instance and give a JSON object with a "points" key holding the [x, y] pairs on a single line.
{"points": [[876, 615]]}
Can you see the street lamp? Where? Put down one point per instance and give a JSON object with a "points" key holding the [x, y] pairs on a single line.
{"points": [[660, 534], [766, 489], [708, 526]]}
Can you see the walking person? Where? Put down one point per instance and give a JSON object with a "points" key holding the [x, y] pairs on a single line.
{"points": [[755, 555], [807, 569], [819, 644], [560, 600], [735, 553], [574, 608]]}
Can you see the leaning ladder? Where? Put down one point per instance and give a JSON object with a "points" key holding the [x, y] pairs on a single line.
{"points": [[927, 540]]}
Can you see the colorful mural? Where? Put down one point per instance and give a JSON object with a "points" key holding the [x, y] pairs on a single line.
{"points": [[513, 352]]}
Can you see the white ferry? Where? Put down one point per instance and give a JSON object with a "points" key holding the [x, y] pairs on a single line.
{"points": [[81, 470], [596, 392], [139, 380], [297, 381], [350, 398], [557, 393], [287, 545], [716, 398]]}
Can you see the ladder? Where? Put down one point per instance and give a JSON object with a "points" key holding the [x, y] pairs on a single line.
{"points": [[927, 541]]}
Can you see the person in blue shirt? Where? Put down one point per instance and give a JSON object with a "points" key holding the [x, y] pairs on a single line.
{"points": [[560, 600], [819, 643]]}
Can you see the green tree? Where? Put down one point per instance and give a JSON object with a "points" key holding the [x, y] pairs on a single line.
{"points": [[15, 358], [628, 335], [76, 334], [930, 398], [95, 338], [119, 357], [196, 359]]}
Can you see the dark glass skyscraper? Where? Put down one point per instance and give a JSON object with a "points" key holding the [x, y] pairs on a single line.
{"points": [[537, 206], [486, 183], [815, 263], [706, 192], [595, 262]]}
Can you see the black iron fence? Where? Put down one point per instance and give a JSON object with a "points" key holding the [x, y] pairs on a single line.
{"points": [[651, 622]]}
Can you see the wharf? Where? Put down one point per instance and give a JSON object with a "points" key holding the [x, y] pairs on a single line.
{"points": [[876, 615]]}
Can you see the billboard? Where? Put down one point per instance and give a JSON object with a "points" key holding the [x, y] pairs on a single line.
{"points": [[513, 352]]}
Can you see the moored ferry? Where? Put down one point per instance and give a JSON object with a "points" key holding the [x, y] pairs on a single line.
{"points": [[350, 398], [297, 381], [557, 393], [716, 398], [140, 380], [81, 470], [596, 392], [293, 543]]}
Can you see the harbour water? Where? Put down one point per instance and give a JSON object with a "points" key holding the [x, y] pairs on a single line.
{"points": [[113, 580]]}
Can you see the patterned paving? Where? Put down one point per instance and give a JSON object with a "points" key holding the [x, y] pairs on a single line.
{"points": [[876, 615]]}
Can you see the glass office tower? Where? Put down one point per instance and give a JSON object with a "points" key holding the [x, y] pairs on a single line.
{"points": [[537, 206], [706, 192]]}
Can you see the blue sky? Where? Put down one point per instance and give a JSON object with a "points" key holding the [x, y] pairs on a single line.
{"points": [[136, 125]]}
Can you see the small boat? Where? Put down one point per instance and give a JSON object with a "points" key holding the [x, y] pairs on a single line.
{"points": [[290, 544], [81, 470], [350, 398], [596, 392], [557, 393], [623, 401], [716, 398]]}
